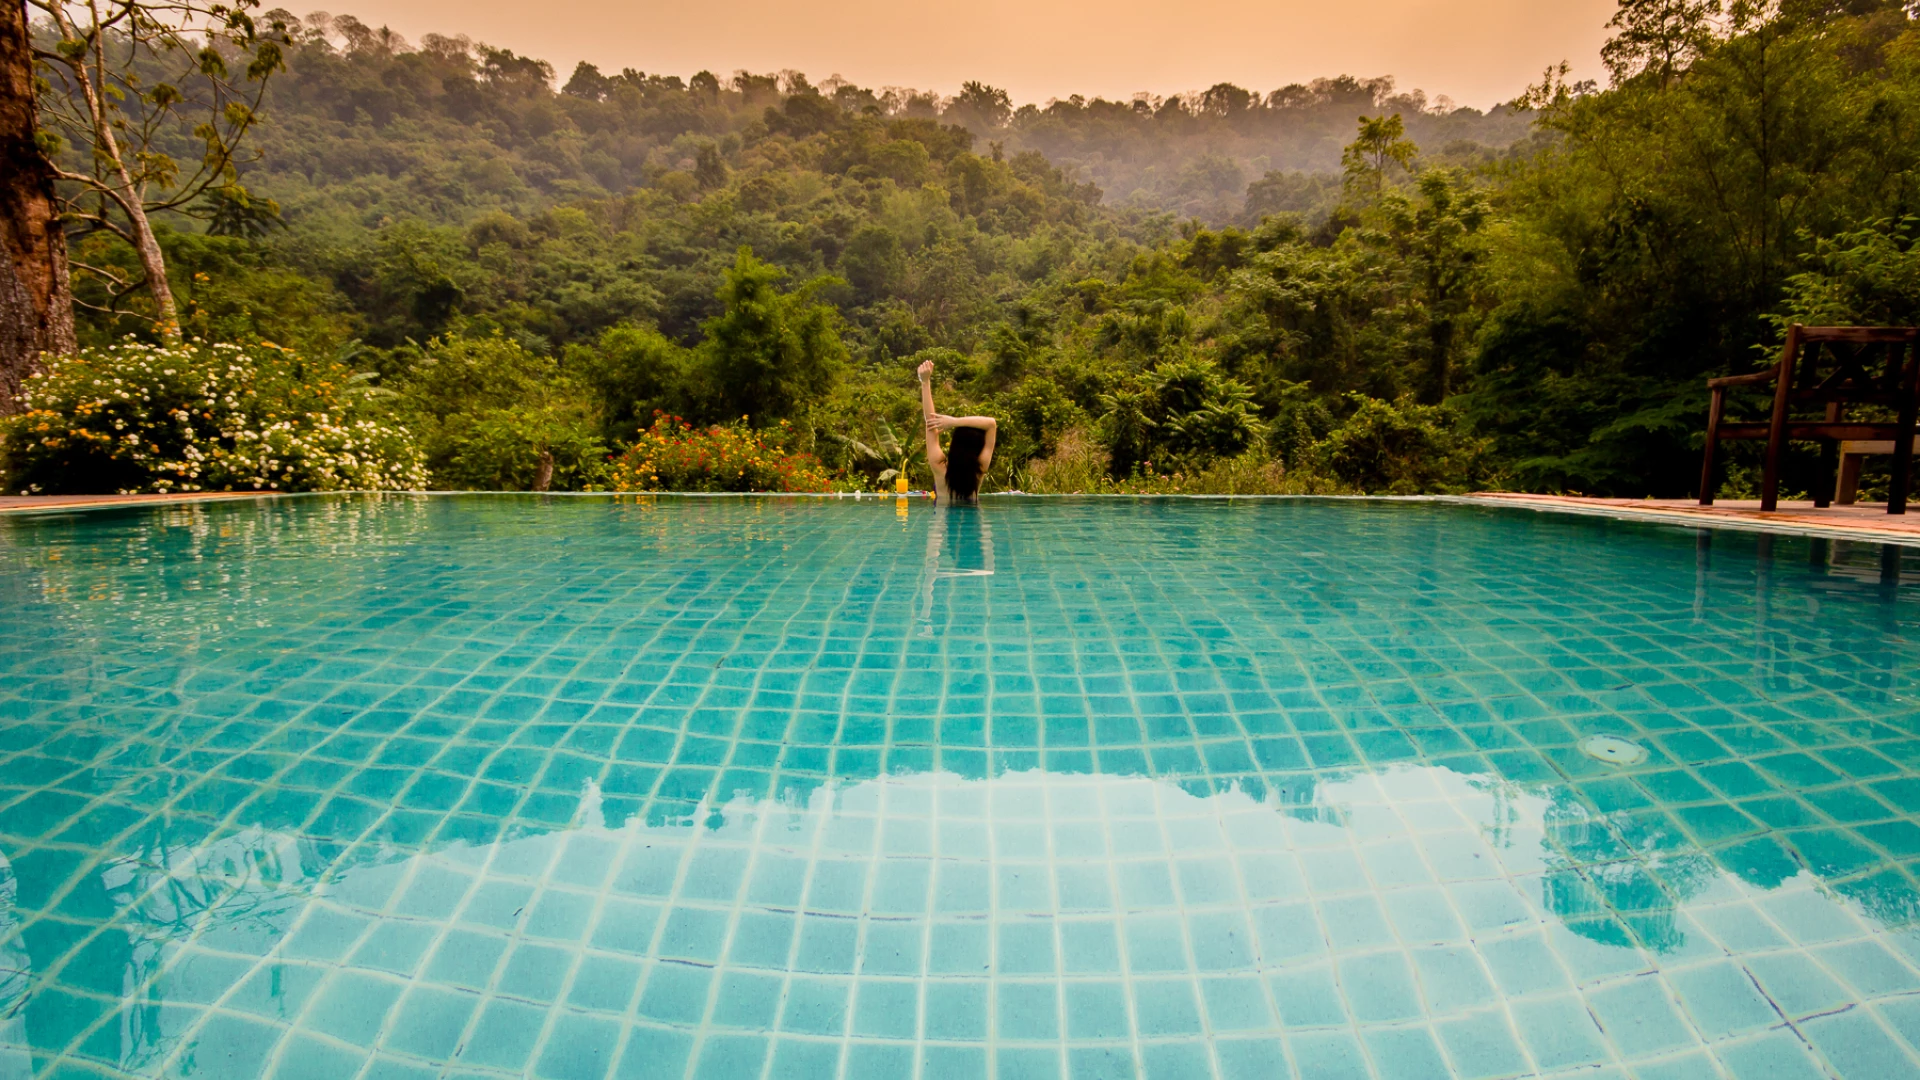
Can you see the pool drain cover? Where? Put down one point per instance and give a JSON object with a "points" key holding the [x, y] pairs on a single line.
{"points": [[1613, 751]]}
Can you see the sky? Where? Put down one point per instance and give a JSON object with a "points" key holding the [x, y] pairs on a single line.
{"points": [[1477, 52]]}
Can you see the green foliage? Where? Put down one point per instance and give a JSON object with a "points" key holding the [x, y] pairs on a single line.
{"points": [[1145, 293], [1401, 448], [132, 418], [492, 415], [633, 372], [768, 352], [1180, 412], [1868, 276]]}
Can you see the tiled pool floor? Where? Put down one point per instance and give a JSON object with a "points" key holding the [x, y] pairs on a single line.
{"points": [[486, 787]]}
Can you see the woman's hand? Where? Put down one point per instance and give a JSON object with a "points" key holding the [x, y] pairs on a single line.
{"points": [[925, 370], [939, 422]]}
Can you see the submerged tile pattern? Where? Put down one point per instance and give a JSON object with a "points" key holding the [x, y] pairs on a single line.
{"points": [[401, 787]]}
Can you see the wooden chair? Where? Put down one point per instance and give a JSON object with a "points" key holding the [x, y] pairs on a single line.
{"points": [[1853, 460], [1832, 368]]}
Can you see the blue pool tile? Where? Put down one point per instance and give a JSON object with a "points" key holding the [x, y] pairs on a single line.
{"points": [[1236, 1004], [504, 1036], [804, 1059], [1177, 1061], [938, 1062], [1559, 1033], [1481, 1045], [1027, 1011], [748, 1000], [232, 1046], [1775, 1055], [1251, 1059], [653, 1053], [1335, 1055], [578, 1048], [956, 1010], [1166, 1007], [959, 948], [352, 1007], [1858, 1047], [1379, 987], [304, 1058], [1638, 1017], [675, 993], [816, 1006], [604, 983], [1722, 1000], [878, 1059], [429, 1022], [731, 1057], [1405, 1053], [1100, 1063], [762, 939], [1019, 1063], [1308, 997], [1096, 1010], [535, 972]]}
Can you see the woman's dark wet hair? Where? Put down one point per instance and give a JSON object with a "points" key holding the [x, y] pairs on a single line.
{"points": [[963, 463]]}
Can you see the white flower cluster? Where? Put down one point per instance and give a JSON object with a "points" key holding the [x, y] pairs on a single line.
{"points": [[137, 418]]}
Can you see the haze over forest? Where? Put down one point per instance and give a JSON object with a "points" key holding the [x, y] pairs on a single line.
{"points": [[1480, 52]]}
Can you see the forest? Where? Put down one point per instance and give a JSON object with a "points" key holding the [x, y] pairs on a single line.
{"points": [[366, 262]]}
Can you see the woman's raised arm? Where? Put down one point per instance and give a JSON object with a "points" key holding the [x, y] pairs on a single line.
{"points": [[935, 460]]}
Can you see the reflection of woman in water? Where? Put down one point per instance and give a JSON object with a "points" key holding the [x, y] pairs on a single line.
{"points": [[956, 472], [959, 545]]}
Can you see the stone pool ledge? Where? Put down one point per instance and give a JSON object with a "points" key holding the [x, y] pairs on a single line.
{"points": [[1863, 521], [20, 503]]}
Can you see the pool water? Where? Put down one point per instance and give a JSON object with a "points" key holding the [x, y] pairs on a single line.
{"points": [[726, 788]]}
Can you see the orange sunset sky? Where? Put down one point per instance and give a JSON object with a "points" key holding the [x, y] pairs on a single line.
{"points": [[1477, 52]]}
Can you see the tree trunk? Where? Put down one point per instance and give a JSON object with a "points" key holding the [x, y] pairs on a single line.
{"points": [[166, 316], [36, 306]]}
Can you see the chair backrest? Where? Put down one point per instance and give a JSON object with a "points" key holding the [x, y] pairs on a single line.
{"points": [[1852, 364]]}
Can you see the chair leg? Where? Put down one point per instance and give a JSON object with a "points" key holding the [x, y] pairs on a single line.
{"points": [[1902, 481], [1713, 444], [1777, 430], [1829, 459], [1847, 488]]}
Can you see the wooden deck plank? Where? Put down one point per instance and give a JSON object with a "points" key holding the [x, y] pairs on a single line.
{"points": [[1861, 521]]}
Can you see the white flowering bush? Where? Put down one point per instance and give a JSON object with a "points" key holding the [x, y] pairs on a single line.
{"points": [[133, 418]]}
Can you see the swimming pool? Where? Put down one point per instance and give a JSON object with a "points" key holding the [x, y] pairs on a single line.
{"points": [[493, 786]]}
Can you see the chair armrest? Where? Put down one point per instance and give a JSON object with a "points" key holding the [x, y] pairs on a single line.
{"points": [[1766, 376]]}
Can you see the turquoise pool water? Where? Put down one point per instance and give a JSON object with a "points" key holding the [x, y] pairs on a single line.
{"points": [[728, 788]]}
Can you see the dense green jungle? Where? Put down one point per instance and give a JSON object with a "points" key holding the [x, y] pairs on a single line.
{"points": [[591, 280]]}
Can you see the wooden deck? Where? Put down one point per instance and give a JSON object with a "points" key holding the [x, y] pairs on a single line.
{"points": [[1863, 521]]}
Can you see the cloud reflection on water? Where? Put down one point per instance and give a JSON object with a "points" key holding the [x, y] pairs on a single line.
{"points": [[1413, 899]]}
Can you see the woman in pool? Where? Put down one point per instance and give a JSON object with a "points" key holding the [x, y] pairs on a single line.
{"points": [[957, 472]]}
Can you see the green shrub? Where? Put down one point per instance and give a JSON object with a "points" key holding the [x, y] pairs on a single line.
{"points": [[495, 416], [1400, 448], [133, 418]]}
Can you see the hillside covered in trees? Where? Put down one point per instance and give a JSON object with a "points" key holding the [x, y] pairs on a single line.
{"points": [[1323, 287]]}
